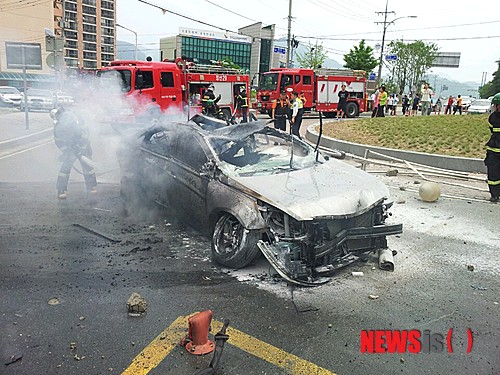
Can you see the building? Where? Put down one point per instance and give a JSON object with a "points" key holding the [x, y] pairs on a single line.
{"points": [[83, 37], [88, 29], [251, 49]]}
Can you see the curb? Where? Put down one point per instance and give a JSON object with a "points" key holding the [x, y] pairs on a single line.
{"points": [[28, 137], [471, 165]]}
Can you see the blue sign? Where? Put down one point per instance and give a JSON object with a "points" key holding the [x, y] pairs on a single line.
{"points": [[391, 57], [372, 76], [280, 50]]}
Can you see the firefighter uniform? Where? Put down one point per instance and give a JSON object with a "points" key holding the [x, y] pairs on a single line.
{"points": [[281, 111], [492, 160], [242, 104], [297, 112], [209, 103], [72, 138]]}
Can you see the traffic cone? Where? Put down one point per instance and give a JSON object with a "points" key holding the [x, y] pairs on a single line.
{"points": [[196, 342]]}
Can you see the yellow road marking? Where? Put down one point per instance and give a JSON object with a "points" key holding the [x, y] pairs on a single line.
{"points": [[166, 341]]}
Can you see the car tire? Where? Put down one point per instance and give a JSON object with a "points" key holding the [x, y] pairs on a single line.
{"points": [[233, 245]]}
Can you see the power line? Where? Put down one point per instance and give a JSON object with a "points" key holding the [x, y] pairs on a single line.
{"points": [[230, 11]]}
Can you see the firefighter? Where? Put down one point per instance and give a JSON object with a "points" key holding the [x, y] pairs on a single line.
{"points": [[281, 111], [242, 103], [209, 103], [297, 112], [492, 160], [72, 138]]}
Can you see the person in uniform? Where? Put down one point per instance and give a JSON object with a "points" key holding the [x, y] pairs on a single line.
{"points": [[242, 103], [342, 104], [281, 111], [297, 112], [209, 103], [72, 138], [492, 159]]}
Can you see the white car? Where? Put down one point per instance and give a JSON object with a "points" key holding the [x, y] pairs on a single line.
{"points": [[10, 96], [39, 99], [480, 106], [63, 99]]}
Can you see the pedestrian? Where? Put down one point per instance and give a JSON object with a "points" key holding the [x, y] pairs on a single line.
{"points": [[405, 105], [449, 105], [296, 114], [388, 107], [382, 101], [492, 159], [242, 103], [72, 138], [302, 97], [374, 97], [414, 105], [342, 103], [281, 111], [458, 105], [426, 100], [437, 107], [394, 104]]}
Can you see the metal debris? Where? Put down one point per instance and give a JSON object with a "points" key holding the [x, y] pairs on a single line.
{"points": [[373, 296], [14, 358], [357, 274], [391, 172], [96, 233], [54, 301], [470, 267]]}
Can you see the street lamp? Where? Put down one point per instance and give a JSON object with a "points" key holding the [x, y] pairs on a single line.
{"points": [[132, 31], [386, 25]]}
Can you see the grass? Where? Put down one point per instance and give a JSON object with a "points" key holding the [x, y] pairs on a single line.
{"points": [[463, 135]]}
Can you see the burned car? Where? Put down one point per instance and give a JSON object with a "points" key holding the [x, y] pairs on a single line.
{"points": [[254, 189]]}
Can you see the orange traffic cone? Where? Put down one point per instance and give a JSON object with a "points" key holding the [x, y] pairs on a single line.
{"points": [[196, 342]]}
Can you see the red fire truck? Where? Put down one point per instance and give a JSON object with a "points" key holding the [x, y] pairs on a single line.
{"points": [[169, 87], [320, 88]]}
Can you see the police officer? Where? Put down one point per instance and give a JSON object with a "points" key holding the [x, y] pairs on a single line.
{"points": [[209, 103], [72, 138], [297, 112], [281, 111], [492, 160], [242, 103]]}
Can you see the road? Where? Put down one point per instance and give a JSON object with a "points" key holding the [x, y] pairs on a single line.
{"points": [[446, 276]]}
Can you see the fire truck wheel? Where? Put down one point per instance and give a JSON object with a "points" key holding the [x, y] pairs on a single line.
{"points": [[352, 110]]}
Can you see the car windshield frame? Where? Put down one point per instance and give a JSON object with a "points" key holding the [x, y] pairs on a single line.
{"points": [[40, 92], [9, 90], [256, 149], [269, 81]]}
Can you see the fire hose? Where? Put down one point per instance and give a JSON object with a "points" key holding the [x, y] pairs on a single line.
{"points": [[220, 339]]}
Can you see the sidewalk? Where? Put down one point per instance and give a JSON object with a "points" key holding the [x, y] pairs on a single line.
{"points": [[13, 127]]}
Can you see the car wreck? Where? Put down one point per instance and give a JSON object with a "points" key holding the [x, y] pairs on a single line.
{"points": [[255, 189]]}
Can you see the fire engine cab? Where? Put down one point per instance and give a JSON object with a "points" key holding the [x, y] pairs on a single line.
{"points": [[168, 87], [320, 88]]}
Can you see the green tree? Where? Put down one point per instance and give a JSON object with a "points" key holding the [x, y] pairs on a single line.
{"points": [[313, 58], [492, 87], [414, 59], [360, 58]]}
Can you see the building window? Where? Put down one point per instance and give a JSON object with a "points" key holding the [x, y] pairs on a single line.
{"points": [[89, 10], [90, 29], [107, 14], [89, 55], [89, 19], [107, 5], [89, 46], [90, 64], [72, 53], [89, 2], [89, 37], [70, 6]]}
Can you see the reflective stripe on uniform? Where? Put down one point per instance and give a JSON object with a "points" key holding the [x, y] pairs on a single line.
{"points": [[493, 149], [63, 174], [493, 182], [495, 130]]}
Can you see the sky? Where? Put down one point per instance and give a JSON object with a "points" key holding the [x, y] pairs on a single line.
{"points": [[471, 28]]}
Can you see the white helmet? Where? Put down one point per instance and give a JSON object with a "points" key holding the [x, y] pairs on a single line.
{"points": [[53, 113]]}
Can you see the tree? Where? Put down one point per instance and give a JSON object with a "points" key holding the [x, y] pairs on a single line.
{"points": [[313, 58], [492, 87], [414, 59], [360, 58]]}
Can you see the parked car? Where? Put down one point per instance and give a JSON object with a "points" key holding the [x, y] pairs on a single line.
{"points": [[39, 99], [250, 187], [10, 96], [480, 106], [466, 102], [63, 99]]}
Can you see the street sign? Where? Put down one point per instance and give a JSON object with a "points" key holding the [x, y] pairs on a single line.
{"points": [[391, 57], [280, 50], [23, 55], [372, 77]]}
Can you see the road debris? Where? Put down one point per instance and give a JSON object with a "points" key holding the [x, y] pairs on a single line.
{"points": [[373, 296], [470, 267], [391, 172], [54, 301], [136, 305], [401, 201], [478, 287], [72, 346], [96, 233], [78, 358], [102, 209], [429, 191], [357, 274], [14, 358]]}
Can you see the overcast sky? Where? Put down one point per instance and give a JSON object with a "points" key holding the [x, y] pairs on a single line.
{"points": [[472, 27]]}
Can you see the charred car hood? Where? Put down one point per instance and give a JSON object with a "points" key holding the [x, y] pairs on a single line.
{"points": [[332, 189]]}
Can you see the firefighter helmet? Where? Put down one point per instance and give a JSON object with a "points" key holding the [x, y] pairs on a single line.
{"points": [[53, 113], [243, 89], [496, 99], [210, 88]]}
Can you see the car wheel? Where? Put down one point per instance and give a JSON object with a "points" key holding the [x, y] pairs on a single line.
{"points": [[232, 244]]}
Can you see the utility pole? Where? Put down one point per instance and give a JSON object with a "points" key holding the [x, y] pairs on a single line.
{"points": [[289, 40], [385, 23]]}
